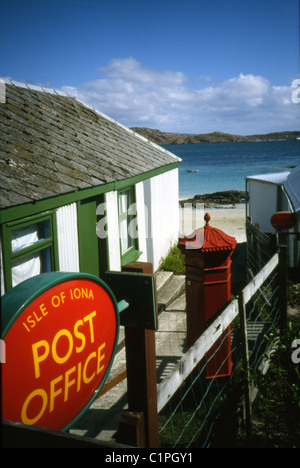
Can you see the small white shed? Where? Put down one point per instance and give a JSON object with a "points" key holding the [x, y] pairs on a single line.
{"points": [[272, 193]]}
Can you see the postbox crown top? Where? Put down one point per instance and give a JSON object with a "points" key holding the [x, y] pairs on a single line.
{"points": [[209, 239]]}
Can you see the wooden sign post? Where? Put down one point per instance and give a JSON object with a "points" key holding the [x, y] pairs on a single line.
{"points": [[137, 287]]}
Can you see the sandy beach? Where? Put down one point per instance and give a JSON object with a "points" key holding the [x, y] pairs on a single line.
{"points": [[229, 218]]}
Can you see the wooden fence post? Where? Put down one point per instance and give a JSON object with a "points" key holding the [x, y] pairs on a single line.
{"points": [[131, 429], [141, 379], [141, 370], [274, 243]]}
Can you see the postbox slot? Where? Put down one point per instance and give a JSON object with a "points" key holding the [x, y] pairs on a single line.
{"points": [[208, 275]]}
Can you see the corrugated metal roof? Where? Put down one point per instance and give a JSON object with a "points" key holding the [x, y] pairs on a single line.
{"points": [[290, 180], [292, 187], [273, 178], [52, 144]]}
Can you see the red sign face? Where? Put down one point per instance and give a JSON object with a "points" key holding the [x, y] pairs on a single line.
{"points": [[58, 353]]}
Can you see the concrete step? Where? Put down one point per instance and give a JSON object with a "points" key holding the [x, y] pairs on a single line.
{"points": [[170, 295], [169, 288], [179, 304], [162, 279]]}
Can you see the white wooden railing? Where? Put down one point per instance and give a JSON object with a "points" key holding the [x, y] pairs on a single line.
{"points": [[167, 388]]}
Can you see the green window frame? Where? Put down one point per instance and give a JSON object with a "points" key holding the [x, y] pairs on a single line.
{"points": [[28, 239], [128, 228]]}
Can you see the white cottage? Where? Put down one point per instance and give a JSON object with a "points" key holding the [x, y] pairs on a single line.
{"points": [[272, 193], [78, 191]]}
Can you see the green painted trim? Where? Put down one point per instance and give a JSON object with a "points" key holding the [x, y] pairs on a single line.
{"points": [[133, 253], [24, 222], [9, 256], [87, 237], [37, 247], [103, 243], [29, 209], [6, 255]]}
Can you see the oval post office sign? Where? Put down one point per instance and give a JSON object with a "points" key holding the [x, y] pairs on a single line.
{"points": [[61, 333]]}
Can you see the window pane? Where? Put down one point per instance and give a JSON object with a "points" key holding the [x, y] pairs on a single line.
{"points": [[30, 235], [123, 236], [31, 265], [124, 201], [126, 240]]}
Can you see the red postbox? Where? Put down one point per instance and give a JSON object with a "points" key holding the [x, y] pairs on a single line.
{"points": [[208, 253]]}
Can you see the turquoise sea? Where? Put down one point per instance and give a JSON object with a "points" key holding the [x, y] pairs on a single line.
{"points": [[224, 166]]}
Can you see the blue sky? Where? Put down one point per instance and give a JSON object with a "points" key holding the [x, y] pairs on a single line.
{"points": [[189, 66]]}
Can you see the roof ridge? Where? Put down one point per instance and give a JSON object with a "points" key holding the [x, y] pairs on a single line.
{"points": [[25, 85]]}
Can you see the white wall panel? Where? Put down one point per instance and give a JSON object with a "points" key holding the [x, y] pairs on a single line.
{"points": [[113, 231], [161, 198], [142, 220], [262, 204], [67, 236]]}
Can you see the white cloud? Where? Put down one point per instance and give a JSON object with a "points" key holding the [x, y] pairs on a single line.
{"points": [[139, 96]]}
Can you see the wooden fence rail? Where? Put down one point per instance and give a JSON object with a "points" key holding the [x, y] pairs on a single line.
{"points": [[167, 388], [194, 355]]}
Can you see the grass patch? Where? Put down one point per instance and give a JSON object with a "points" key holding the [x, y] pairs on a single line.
{"points": [[174, 261]]}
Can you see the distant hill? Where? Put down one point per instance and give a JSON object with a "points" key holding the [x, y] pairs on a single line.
{"points": [[277, 136], [167, 138]]}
